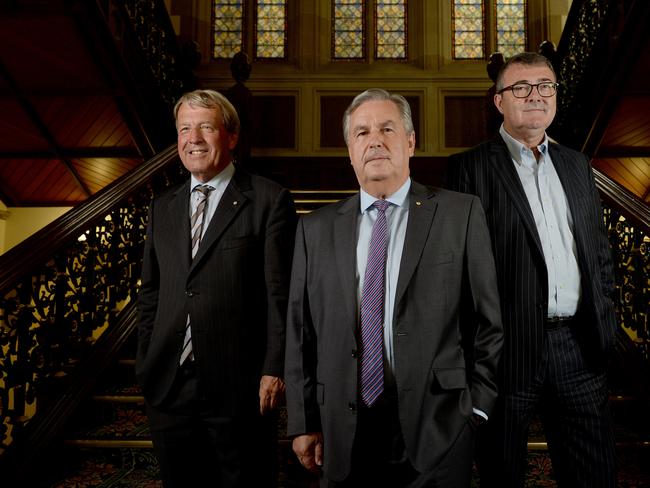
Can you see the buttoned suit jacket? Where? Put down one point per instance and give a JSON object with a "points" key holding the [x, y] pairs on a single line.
{"points": [[235, 291], [446, 326], [488, 172]]}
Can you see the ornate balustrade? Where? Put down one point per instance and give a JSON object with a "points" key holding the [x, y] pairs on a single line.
{"points": [[631, 255], [65, 286]]}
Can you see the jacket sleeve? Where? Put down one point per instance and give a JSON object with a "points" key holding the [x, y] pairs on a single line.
{"points": [[301, 353], [278, 245], [486, 317], [148, 293]]}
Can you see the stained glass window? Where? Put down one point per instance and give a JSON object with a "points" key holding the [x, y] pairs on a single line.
{"points": [[348, 29], [271, 29], [511, 26], [227, 28], [467, 27], [390, 21]]}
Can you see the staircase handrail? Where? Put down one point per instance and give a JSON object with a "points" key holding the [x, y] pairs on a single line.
{"points": [[38, 248]]}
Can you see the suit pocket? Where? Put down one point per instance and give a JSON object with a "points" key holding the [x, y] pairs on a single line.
{"points": [[443, 258], [320, 393], [237, 242], [449, 379]]}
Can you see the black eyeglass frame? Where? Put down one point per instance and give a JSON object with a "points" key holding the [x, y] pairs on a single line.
{"points": [[531, 86]]}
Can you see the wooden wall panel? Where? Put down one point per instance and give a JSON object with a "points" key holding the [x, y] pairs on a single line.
{"points": [[274, 121], [332, 108], [465, 121]]}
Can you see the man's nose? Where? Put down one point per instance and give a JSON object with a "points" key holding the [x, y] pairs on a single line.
{"points": [[195, 135], [376, 139]]}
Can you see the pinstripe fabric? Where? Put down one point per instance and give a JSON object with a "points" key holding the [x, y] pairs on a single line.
{"points": [[372, 310], [238, 312], [488, 171]]}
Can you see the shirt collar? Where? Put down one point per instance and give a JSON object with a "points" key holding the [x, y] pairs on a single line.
{"points": [[219, 182], [366, 200], [516, 148]]}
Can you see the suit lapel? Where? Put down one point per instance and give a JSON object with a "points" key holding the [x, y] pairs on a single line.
{"points": [[422, 208], [501, 161], [231, 203], [345, 249], [179, 213], [572, 190]]}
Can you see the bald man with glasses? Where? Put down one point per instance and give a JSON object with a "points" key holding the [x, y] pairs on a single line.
{"points": [[555, 282]]}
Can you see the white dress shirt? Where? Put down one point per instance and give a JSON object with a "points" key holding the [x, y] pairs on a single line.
{"points": [[219, 183]]}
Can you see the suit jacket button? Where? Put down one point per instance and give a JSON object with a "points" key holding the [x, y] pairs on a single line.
{"points": [[354, 353], [352, 406]]}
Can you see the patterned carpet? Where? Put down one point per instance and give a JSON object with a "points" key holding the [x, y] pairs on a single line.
{"points": [[127, 467]]}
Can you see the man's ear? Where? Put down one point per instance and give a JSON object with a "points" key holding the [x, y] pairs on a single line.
{"points": [[498, 99], [232, 142]]}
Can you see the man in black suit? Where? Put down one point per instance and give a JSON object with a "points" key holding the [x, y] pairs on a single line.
{"points": [[555, 281], [212, 308], [394, 330]]}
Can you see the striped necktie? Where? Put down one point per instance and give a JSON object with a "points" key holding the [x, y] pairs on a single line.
{"points": [[372, 310], [196, 224]]}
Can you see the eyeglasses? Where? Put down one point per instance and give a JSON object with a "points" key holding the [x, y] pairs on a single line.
{"points": [[522, 90]]}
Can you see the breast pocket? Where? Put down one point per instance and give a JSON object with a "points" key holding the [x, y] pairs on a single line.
{"points": [[237, 242]]}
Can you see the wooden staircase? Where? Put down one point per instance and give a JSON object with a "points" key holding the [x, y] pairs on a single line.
{"points": [[108, 438]]}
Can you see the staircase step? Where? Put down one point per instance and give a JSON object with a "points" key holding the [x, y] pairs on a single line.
{"points": [[308, 200], [139, 399], [110, 443]]}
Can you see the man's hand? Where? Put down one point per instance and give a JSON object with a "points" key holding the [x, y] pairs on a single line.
{"points": [[271, 393], [309, 449]]}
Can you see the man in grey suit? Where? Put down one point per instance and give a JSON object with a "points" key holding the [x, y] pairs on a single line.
{"points": [[555, 281], [212, 308], [394, 330]]}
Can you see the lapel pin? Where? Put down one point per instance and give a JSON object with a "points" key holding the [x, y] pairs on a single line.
{"points": [[418, 203], [235, 202]]}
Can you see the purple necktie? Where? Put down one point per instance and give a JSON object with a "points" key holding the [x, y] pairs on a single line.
{"points": [[372, 310], [196, 225]]}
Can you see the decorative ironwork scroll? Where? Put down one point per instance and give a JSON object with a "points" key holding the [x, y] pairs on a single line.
{"points": [[52, 317], [631, 256]]}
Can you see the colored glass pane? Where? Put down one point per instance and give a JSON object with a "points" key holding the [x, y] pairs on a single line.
{"points": [[271, 29], [390, 21], [510, 26], [227, 28], [467, 29], [348, 29]]}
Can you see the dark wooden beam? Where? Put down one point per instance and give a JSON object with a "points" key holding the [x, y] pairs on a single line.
{"points": [[35, 118], [74, 153], [622, 152]]}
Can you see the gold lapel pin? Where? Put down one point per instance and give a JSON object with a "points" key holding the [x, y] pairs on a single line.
{"points": [[418, 203]]}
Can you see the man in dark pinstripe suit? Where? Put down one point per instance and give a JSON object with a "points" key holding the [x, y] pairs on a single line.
{"points": [[555, 281], [212, 308]]}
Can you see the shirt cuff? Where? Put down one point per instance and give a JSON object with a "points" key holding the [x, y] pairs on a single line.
{"points": [[481, 413]]}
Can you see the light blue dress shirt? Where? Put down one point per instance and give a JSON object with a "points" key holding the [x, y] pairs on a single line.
{"points": [[397, 218], [553, 221]]}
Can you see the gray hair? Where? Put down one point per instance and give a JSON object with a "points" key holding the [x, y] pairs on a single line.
{"points": [[211, 99], [377, 94], [529, 59]]}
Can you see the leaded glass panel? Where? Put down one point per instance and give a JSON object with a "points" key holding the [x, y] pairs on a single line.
{"points": [[348, 30], [227, 28], [510, 26], [468, 29], [391, 22], [271, 29]]}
